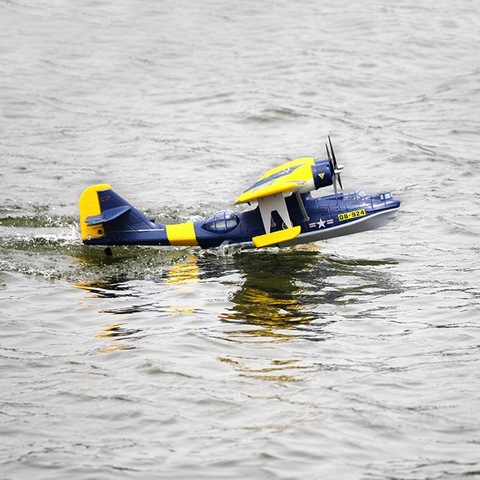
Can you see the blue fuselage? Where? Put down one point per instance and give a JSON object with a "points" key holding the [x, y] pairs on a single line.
{"points": [[318, 218]]}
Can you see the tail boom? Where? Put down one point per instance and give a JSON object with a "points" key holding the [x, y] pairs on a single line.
{"points": [[108, 219]]}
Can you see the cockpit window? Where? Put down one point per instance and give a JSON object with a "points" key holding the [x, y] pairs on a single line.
{"points": [[357, 195], [221, 222], [360, 194]]}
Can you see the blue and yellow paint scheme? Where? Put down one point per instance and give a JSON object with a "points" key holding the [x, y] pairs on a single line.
{"points": [[286, 214]]}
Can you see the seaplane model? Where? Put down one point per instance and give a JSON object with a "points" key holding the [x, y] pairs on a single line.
{"points": [[287, 214]]}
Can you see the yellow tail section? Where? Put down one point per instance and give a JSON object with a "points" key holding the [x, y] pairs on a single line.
{"points": [[89, 206]]}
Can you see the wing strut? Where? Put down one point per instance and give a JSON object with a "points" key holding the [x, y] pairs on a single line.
{"points": [[268, 205], [306, 218], [271, 204]]}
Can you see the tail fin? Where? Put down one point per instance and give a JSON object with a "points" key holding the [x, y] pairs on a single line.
{"points": [[103, 213]]}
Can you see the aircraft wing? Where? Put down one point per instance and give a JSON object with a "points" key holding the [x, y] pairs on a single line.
{"points": [[289, 177], [270, 191]]}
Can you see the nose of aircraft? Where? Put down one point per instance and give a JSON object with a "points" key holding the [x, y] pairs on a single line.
{"points": [[385, 200]]}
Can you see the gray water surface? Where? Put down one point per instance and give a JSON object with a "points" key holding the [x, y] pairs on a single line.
{"points": [[355, 358]]}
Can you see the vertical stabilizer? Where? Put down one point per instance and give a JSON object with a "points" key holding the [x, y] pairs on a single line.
{"points": [[106, 218], [89, 205]]}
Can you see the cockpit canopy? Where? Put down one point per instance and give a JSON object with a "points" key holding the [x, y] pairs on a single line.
{"points": [[221, 222], [356, 195]]}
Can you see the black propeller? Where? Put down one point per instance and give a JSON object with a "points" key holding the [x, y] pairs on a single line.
{"points": [[334, 166]]}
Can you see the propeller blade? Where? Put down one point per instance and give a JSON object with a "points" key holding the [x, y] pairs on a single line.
{"points": [[328, 154], [333, 153], [334, 167]]}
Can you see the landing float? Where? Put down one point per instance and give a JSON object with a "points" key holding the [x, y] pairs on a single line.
{"points": [[286, 213]]}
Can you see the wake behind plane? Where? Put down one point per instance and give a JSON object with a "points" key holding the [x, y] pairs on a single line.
{"points": [[286, 213]]}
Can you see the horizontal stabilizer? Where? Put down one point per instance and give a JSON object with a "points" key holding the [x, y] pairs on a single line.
{"points": [[107, 215], [276, 237]]}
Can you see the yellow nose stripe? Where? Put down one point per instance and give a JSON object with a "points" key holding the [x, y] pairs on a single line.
{"points": [[182, 234]]}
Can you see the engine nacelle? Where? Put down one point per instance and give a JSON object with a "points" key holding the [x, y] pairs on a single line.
{"points": [[322, 174]]}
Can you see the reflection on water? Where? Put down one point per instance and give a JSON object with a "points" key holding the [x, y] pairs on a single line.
{"points": [[269, 294], [117, 336], [184, 273], [106, 288], [271, 369], [122, 287], [295, 291], [279, 291], [291, 294], [181, 277]]}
